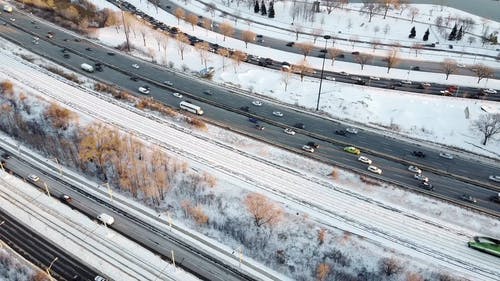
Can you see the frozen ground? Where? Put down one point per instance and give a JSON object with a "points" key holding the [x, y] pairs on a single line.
{"points": [[13, 266]]}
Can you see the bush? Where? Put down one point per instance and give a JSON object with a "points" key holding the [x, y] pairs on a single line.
{"points": [[6, 87], [60, 72], [390, 266], [196, 122]]}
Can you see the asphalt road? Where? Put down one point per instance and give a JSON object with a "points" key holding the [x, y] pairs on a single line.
{"points": [[391, 155], [40, 252], [161, 241]]}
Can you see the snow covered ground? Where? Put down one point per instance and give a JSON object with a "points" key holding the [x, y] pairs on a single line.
{"points": [[424, 238], [14, 266]]}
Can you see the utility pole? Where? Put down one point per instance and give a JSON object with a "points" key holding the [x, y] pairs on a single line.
{"points": [[326, 37], [48, 268], [126, 31]]}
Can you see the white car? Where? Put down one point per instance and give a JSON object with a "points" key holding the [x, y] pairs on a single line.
{"points": [[407, 82], [461, 65], [374, 78], [177, 95], [446, 92], [257, 103], [289, 131], [352, 130], [277, 113], [374, 169], [12, 19], [33, 178], [365, 160], [489, 91], [414, 169], [446, 155], [330, 78], [307, 148], [426, 84], [135, 65], [35, 42], [168, 83], [495, 178], [421, 177], [144, 90]]}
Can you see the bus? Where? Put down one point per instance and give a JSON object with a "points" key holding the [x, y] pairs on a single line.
{"points": [[486, 244], [191, 107]]}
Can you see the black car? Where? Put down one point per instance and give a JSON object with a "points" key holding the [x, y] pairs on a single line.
{"points": [[313, 144], [111, 54], [268, 61], [418, 154], [323, 50], [259, 36], [207, 92], [245, 108], [426, 185], [360, 82], [340, 132], [134, 78], [6, 156], [253, 120], [417, 68], [98, 68], [66, 56], [300, 126], [290, 44], [77, 40], [64, 50], [355, 53], [259, 127], [88, 49]]}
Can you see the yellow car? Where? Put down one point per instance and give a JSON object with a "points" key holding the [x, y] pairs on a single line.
{"points": [[352, 149]]}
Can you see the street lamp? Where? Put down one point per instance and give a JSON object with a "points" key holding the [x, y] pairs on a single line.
{"points": [[48, 268], [326, 37]]}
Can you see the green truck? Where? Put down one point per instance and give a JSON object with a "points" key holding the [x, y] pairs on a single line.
{"points": [[485, 244]]}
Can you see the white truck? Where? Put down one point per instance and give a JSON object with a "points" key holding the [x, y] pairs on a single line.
{"points": [[7, 8], [106, 219], [87, 67]]}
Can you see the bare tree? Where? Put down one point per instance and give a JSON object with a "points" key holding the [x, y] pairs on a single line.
{"points": [[202, 48], [143, 30], [449, 66], [330, 5], [210, 8], [297, 28], [179, 13], [370, 9], [182, 43], [414, 11], [303, 69], [158, 38], [488, 125], [238, 57], [224, 53], [412, 276], [390, 266], [322, 271], [207, 24], [227, 29], [263, 210], [285, 76], [391, 60], [192, 19], [248, 36], [363, 59], [385, 5], [482, 71], [333, 53], [316, 33], [164, 43], [305, 48], [417, 48], [375, 43]]}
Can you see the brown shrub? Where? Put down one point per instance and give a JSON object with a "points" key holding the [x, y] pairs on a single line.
{"points": [[322, 271], [58, 116], [40, 276], [196, 212], [390, 266], [369, 181], [210, 180], [263, 210], [335, 174], [414, 277], [321, 236], [7, 87], [196, 122], [60, 72]]}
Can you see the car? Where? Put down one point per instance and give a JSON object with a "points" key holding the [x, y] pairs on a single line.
{"points": [[313, 144], [111, 54], [253, 120], [365, 160], [307, 148], [98, 68], [36, 38], [414, 169], [168, 83], [452, 88], [343, 73], [391, 86], [489, 91], [100, 278], [257, 103], [300, 126], [406, 82], [426, 185], [323, 51], [208, 92], [289, 131], [374, 78], [277, 113], [12, 19], [259, 36], [375, 169], [77, 40], [468, 198], [135, 65], [260, 40], [495, 178], [36, 42], [355, 78], [177, 95], [416, 68], [495, 198], [352, 149], [144, 89], [360, 82], [420, 177], [290, 44], [66, 56], [65, 198], [259, 127], [340, 132], [352, 130], [331, 78], [36, 26], [461, 65], [424, 85], [6, 156], [446, 155], [50, 34], [356, 53], [33, 178], [245, 108], [33, 22], [134, 78], [88, 49], [419, 154], [446, 93]]}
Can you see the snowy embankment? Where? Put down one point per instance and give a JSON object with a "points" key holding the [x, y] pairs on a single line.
{"points": [[408, 232], [442, 120], [13, 266]]}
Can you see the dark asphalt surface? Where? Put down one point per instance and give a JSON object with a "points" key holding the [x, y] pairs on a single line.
{"points": [[391, 155], [35, 248]]}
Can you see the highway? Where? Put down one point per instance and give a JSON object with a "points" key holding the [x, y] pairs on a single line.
{"points": [[40, 252], [391, 154], [159, 240]]}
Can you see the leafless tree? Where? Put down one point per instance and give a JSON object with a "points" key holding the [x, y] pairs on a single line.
{"points": [[207, 24], [385, 5], [363, 59], [179, 13], [390, 266], [482, 71], [297, 28], [391, 60], [224, 53], [227, 29], [210, 8], [376, 29], [143, 30], [248, 37], [316, 33], [192, 19], [322, 271], [449, 66], [412, 276], [263, 210], [303, 69], [238, 57], [387, 28], [417, 48], [202, 48], [403, 5], [305, 48], [333, 53], [375, 43], [370, 8], [488, 125], [164, 43], [467, 24], [414, 11], [182, 43], [330, 5], [285, 76]]}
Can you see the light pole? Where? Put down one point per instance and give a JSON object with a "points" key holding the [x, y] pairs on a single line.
{"points": [[48, 268], [326, 37]]}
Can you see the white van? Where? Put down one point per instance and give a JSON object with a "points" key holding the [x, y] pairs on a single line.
{"points": [[106, 219], [87, 67], [7, 8]]}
